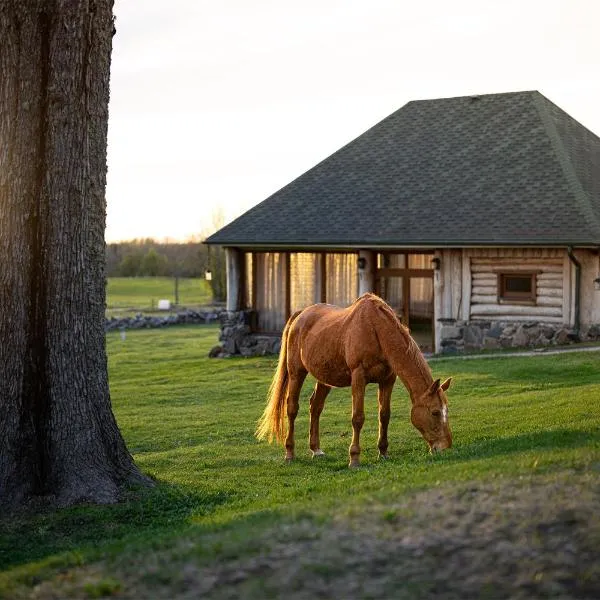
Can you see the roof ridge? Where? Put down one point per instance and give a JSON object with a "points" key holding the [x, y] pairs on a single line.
{"points": [[581, 196], [474, 96]]}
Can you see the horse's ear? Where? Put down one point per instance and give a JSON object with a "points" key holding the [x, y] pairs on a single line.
{"points": [[435, 386], [446, 383]]}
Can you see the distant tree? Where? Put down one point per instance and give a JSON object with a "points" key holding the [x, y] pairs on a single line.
{"points": [[218, 268], [131, 264], [153, 264], [216, 260], [185, 259], [113, 259], [58, 436]]}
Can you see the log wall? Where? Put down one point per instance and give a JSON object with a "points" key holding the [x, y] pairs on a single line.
{"points": [[552, 284]]}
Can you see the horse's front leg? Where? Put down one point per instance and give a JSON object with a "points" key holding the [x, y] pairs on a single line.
{"points": [[294, 387], [358, 414], [317, 401], [383, 397]]}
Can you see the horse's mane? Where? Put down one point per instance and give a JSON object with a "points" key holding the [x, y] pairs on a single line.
{"points": [[414, 352], [411, 348]]}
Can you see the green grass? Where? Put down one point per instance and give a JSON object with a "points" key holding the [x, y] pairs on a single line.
{"points": [[189, 422], [141, 294]]}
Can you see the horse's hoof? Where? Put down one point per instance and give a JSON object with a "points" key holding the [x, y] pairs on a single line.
{"points": [[318, 453], [289, 459], [354, 464], [384, 457]]}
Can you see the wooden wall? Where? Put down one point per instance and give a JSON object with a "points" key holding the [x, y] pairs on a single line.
{"points": [[469, 284], [552, 284]]}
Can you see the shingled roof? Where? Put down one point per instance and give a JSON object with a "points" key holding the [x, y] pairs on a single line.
{"points": [[497, 169]]}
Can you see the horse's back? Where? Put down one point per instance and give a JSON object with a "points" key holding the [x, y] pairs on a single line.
{"points": [[330, 341], [315, 344]]}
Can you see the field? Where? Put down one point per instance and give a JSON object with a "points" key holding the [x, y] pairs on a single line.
{"points": [[125, 295], [510, 511]]}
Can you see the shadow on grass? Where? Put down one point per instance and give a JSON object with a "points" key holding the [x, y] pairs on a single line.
{"points": [[540, 440], [81, 533]]}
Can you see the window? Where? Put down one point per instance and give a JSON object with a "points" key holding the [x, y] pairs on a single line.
{"points": [[516, 287], [270, 290], [342, 279], [305, 280]]}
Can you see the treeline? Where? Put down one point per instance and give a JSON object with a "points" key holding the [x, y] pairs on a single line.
{"points": [[149, 258]]}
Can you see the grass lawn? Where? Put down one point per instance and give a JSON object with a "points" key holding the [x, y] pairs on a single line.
{"points": [[141, 294], [512, 504]]}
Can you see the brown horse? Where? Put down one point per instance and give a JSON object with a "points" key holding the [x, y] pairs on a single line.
{"points": [[363, 343]]}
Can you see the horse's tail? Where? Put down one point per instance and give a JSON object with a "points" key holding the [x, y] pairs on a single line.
{"points": [[272, 423]]}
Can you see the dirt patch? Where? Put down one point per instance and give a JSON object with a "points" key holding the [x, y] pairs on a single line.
{"points": [[537, 537]]}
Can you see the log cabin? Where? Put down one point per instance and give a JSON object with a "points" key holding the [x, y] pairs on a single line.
{"points": [[476, 218]]}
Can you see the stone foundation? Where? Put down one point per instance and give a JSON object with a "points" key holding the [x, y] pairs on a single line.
{"points": [[237, 337], [461, 336]]}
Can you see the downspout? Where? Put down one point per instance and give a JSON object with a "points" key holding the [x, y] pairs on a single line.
{"points": [[577, 264]]}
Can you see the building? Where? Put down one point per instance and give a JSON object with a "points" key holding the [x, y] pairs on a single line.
{"points": [[477, 218]]}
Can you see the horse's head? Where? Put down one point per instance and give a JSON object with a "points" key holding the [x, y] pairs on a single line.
{"points": [[430, 416]]}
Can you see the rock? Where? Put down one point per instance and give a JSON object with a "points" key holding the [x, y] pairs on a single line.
{"points": [[215, 352], [593, 333], [473, 336], [561, 336], [449, 350], [495, 331], [490, 343], [451, 332], [520, 338]]}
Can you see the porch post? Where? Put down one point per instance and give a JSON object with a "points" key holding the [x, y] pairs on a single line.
{"points": [[366, 271], [234, 279], [442, 266]]}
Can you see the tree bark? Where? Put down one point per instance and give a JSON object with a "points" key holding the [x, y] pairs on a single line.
{"points": [[58, 435]]}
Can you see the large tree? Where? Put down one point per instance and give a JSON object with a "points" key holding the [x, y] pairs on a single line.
{"points": [[58, 437]]}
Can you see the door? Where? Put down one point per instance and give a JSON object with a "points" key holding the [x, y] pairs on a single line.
{"points": [[405, 282]]}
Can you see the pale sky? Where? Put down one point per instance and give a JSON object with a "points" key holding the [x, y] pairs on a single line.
{"points": [[217, 104]]}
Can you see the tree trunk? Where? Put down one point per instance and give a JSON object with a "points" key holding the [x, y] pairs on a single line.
{"points": [[58, 435]]}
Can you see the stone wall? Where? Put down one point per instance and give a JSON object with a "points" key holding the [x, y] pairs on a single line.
{"points": [[141, 321], [460, 336], [237, 338]]}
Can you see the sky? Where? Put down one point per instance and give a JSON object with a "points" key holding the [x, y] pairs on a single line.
{"points": [[217, 104]]}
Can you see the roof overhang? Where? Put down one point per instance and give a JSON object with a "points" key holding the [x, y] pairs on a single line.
{"points": [[354, 247]]}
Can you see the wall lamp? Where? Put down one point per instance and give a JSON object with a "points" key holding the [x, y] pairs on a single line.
{"points": [[435, 263], [597, 283], [362, 262]]}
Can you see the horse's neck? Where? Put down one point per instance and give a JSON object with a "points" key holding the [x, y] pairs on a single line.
{"points": [[410, 365], [415, 381], [402, 352]]}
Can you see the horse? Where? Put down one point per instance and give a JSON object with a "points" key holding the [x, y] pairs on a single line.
{"points": [[353, 346]]}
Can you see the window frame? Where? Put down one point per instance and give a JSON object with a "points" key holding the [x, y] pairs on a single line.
{"points": [[513, 297]]}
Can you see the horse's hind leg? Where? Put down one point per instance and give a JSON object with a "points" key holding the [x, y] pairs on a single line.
{"points": [[384, 395], [294, 387], [317, 401]]}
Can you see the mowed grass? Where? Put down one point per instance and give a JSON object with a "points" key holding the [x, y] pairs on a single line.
{"points": [[142, 294], [189, 422]]}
